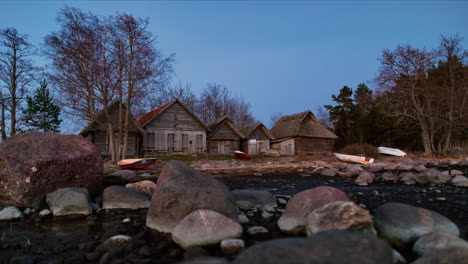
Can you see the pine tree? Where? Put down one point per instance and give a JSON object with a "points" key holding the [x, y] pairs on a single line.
{"points": [[42, 114]]}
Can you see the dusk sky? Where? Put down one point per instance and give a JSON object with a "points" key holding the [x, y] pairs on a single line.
{"points": [[282, 56]]}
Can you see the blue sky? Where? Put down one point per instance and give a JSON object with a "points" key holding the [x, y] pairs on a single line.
{"points": [[282, 56]]}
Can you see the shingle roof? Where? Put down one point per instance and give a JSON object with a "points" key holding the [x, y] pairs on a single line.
{"points": [[290, 126], [249, 130], [100, 117]]}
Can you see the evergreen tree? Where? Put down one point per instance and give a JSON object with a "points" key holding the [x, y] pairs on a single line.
{"points": [[42, 114], [342, 116]]}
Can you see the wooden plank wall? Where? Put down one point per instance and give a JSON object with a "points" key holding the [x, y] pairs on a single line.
{"points": [[223, 147], [175, 117], [223, 132], [286, 147], [313, 145], [175, 130]]}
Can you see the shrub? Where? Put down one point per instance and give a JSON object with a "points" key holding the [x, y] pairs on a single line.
{"points": [[360, 149]]}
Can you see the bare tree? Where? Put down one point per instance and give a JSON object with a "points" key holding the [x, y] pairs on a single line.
{"points": [[274, 118], [324, 117], [404, 77], [217, 101], [16, 74], [181, 91], [99, 60]]}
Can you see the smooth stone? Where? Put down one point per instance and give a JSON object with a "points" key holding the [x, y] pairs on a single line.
{"points": [[402, 224], [293, 220], [69, 201], [335, 246], [205, 227], [10, 213], [118, 197], [145, 187], [437, 240], [232, 246], [338, 215], [444, 256]]}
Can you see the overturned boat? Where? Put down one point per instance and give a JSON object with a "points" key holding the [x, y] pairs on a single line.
{"points": [[136, 163], [353, 158], [241, 155], [391, 151]]}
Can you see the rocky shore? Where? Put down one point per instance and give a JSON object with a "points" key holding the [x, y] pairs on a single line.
{"points": [[317, 212]]}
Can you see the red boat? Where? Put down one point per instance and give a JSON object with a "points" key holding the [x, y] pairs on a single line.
{"points": [[241, 155], [136, 163]]}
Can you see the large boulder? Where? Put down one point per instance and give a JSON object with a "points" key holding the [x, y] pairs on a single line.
{"points": [[338, 215], [118, 197], [69, 201], [402, 224], [33, 164], [437, 240], [336, 246], [455, 255], [259, 199], [203, 228], [180, 190], [293, 220]]}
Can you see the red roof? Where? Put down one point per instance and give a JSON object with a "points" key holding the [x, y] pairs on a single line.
{"points": [[153, 113]]}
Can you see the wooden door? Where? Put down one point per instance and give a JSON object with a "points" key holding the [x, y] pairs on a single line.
{"points": [[170, 142], [185, 143]]}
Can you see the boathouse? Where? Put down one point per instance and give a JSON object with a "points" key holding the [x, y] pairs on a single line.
{"points": [[256, 139], [97, 131], [301, 134], [173, 128], [224, 138]]}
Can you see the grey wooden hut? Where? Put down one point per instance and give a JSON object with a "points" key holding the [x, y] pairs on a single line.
{"points": [[96, 131], [173, 128], [224, 138], [256, 139], [301, 133]]}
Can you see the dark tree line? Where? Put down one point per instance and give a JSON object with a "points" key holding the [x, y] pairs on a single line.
{"points": [[420, 103]]}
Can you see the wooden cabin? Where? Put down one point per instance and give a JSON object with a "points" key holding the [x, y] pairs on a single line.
{"points": [[173, 128], [301, 134], [96, 131], [257, 139], [224, 137]]}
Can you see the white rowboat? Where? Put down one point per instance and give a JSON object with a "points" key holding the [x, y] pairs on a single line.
{"points": [[352, 158], [391, 151]]}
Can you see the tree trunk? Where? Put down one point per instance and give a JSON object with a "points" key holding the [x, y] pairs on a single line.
{"points": [[426, 139]]}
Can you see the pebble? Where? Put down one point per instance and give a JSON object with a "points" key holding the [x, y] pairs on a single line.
{"points": [[232, 246], [45, 212], [243, 219], [441, 199], [126, 220]]}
